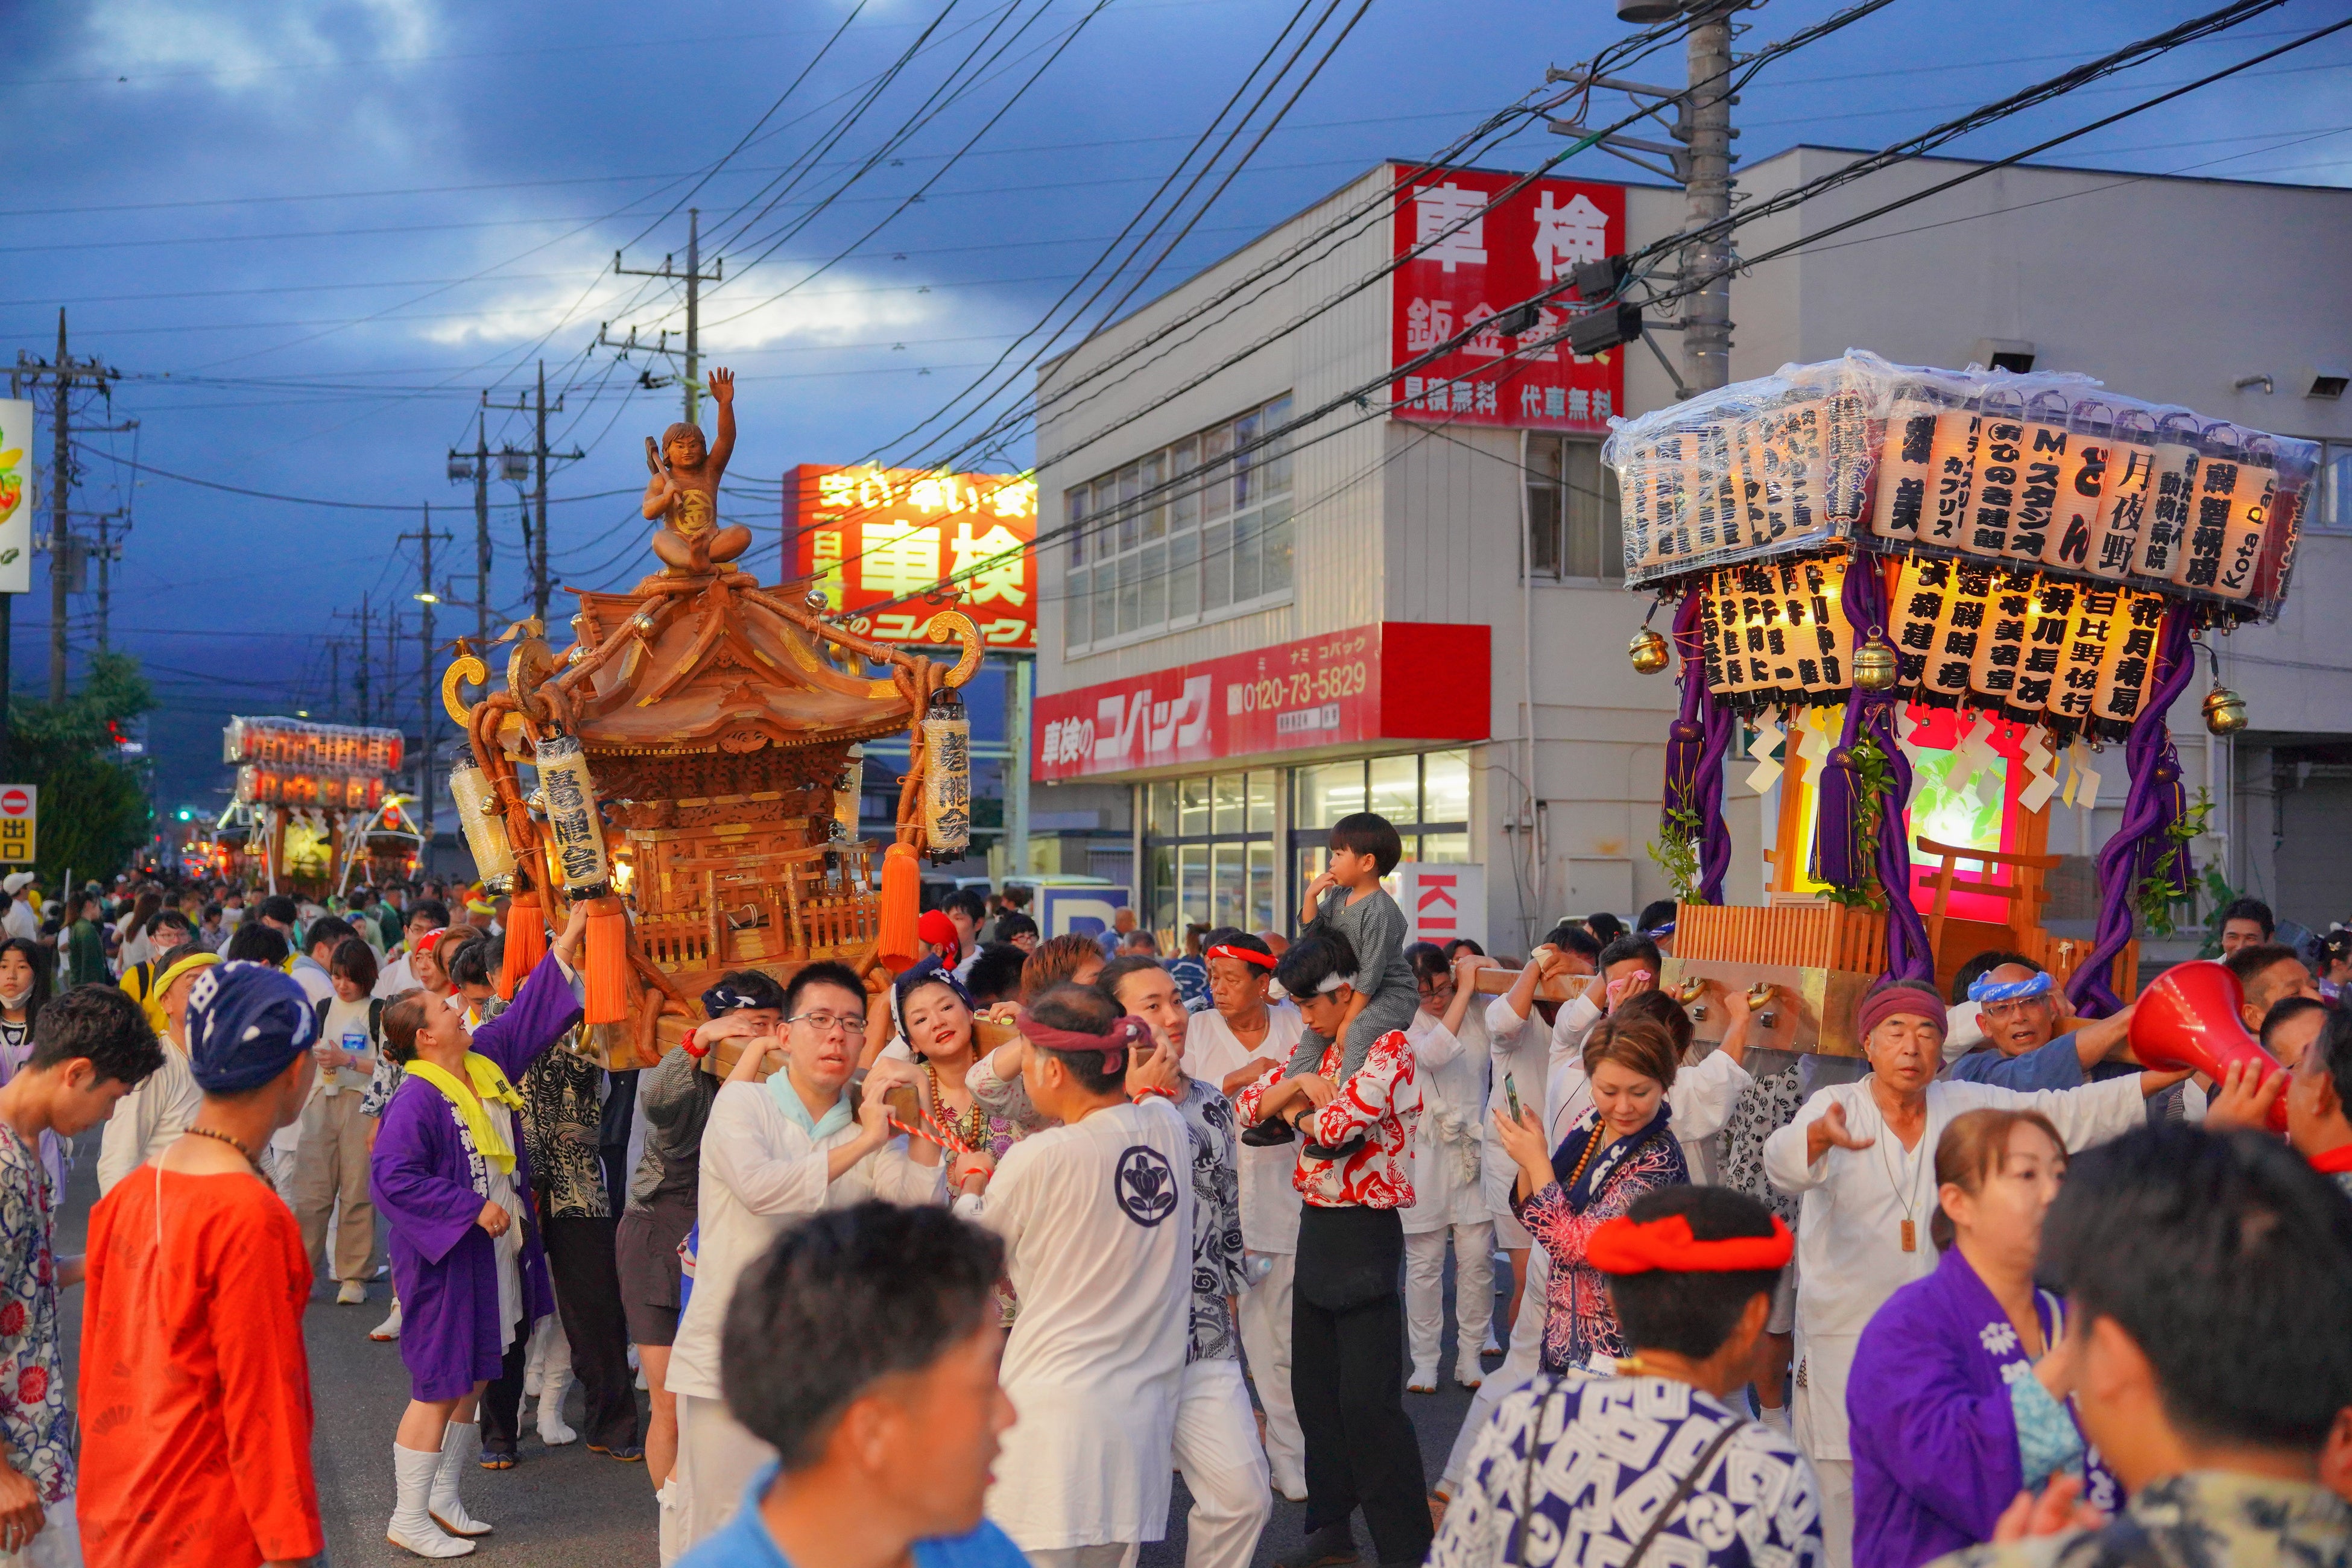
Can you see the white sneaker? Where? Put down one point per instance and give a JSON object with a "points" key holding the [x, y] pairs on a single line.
{"points": [[390, 1328], [351, 1293], [1493, 1346], [411, 1527], [461, 1445]]}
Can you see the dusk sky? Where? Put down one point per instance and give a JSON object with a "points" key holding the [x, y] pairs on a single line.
{"points": [[312, 233]]}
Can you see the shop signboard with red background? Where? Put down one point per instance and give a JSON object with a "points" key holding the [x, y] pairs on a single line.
{"points": [[874, 539], [1529, 242], [1399, 680]]}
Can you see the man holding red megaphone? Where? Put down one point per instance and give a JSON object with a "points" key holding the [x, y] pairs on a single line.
{"points": [[2192, 1016]]}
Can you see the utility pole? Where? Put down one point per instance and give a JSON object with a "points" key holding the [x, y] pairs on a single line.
{"points": [[694, 277], [1698, 159], [362, 678], [1706, 185], [540, 408], [61, 375], [426, 598], [334, 679], [109, 551], [476, 466]]}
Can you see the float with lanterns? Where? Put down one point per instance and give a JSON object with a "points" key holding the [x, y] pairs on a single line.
{"points": [[313, 809], [689, 767], [1949, 598]]}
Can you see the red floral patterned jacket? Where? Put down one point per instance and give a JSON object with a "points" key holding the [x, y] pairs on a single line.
{"points": [[1381, 1100]]}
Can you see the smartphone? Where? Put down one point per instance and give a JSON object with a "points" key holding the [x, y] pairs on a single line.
{"points": [[1511, 1096]]}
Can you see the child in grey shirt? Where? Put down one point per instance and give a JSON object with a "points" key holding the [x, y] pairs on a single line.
{"points": [[1364, 849]]}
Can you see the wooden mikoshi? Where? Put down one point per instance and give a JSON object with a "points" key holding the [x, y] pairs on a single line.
{"points": [[1853, 548], [715, 718]]}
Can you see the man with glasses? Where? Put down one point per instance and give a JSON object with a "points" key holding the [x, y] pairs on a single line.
{"points": [[773, 1151], [2017, 1008]]}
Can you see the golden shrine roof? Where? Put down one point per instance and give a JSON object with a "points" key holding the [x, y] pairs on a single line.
{"points": [[718, 663]]}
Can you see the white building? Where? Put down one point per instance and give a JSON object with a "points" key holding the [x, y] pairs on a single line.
{"points": [[2226, 297]]}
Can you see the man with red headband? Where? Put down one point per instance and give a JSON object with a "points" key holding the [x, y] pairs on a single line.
{"points": [[1655, 1466], [1232, 1045]]}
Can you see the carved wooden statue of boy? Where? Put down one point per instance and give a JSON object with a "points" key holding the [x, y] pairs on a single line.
{"points": [[684, 491]]}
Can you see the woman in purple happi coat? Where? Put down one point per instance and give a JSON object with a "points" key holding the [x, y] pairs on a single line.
{"points": [[450, 1174], [1958, 1396]]}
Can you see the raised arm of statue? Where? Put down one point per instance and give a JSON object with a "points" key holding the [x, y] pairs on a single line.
{"points": [[722, 392]]}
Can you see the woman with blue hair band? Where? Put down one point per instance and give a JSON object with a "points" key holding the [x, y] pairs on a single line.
{"points": [[192, 1331]]}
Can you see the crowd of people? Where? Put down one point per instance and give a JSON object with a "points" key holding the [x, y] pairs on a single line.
{"points": [[968, 1263]]}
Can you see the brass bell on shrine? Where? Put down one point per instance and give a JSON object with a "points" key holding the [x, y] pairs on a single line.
{"points": [[1873, 666], [1648, 652], [2225, 710]]}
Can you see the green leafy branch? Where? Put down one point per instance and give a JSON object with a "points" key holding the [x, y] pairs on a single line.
{"points": [[1874, 781], [2162, 910], [1676, 850]]}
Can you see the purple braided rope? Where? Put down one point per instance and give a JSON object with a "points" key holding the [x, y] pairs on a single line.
{"points": [[2152, 806], [1706, 791], [1863, 597]]}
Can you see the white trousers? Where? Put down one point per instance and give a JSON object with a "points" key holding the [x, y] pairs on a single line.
{"points": [[1424, 1298], [1224, 1467], [1265, 1342], [59, 1545], [717, 1458], [1836, 1488], [1520, 1364], [1109, 1555]]}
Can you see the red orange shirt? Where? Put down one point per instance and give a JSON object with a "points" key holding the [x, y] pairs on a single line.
{"points": [[1382, 1101], [195, 1387]]}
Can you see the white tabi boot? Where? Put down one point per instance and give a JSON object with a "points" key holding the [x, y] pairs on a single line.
{"points": [[554, 1384], [461, 1445], [411, 1527]]}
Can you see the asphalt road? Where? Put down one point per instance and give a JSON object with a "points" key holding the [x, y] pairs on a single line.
{"points": [[564, 1508]]}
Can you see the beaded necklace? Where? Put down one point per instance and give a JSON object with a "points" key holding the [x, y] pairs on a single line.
{"points": [[972, 1127]]}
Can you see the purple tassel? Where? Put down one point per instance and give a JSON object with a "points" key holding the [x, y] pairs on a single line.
{"points": [[1695, 744], [1685, 736], [2153, 805]]}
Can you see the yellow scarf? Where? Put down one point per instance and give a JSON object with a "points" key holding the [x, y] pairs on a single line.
{"points": [[489, 1082]]}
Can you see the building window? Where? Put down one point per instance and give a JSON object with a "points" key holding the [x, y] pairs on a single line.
{"points": [[1195, 531], [1208, 850], [2329, 495], [1571, 510], [1427, 797]]}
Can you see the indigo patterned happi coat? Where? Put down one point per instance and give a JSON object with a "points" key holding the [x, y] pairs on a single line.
{"points": [[1607, 1453]]}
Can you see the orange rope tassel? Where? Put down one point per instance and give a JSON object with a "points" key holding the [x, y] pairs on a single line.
{"points": [[526, 941], [902, 896], [607, 961]]}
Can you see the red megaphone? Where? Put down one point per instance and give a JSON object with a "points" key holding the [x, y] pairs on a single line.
{"points": [[2192, 1016]]}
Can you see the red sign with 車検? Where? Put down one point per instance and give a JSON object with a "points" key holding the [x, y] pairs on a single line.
{"points": [[1399, 680], [890, 547], [1478, 265]]}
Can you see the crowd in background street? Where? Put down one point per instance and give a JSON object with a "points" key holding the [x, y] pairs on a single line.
{"points": [[971, 1260]]}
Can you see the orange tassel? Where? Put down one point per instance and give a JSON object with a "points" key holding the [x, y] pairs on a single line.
{"points": [[902, 896], [607, 961], [526, 941]]}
